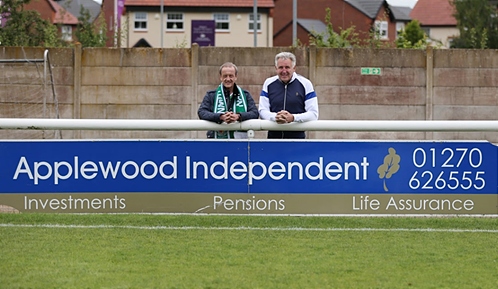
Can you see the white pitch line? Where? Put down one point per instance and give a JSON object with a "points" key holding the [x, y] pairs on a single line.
{"points": [[248, 228]]}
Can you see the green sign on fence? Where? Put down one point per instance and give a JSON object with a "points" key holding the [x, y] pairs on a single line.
{"points": [[370, 71]]}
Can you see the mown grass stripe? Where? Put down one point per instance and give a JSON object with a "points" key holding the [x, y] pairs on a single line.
{"points": [[247, 228]]}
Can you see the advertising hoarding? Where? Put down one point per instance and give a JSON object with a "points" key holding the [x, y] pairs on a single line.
{"points": [[249, 177]]}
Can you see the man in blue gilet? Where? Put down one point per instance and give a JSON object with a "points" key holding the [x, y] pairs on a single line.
{"points": [[287, 97]]}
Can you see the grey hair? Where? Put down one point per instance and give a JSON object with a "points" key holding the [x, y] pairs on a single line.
{"points": [[229, 64], [286, 55]]}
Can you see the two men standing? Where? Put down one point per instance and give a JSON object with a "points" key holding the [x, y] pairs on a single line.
{"points": [[286, 97]]}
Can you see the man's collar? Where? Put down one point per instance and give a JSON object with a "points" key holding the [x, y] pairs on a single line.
{"points": [[235, 89]]}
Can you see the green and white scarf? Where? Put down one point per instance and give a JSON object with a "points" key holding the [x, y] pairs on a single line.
{"points": [[221, 106]]}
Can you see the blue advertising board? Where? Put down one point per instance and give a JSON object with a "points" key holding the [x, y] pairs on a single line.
{"points": [[338, 172]]}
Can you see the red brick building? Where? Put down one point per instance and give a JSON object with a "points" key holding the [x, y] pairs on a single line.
{"points": [[56, 14], [364, 15]]}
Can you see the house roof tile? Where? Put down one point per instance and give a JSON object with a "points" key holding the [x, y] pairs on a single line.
{"points": [[62, 16], [202, 3], [401, 13], [367, 7], [434, 13], [313, 25], [74, 7]]}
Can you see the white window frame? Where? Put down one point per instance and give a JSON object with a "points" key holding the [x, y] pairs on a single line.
{"points": [[67, 32], [222, 18], [381, 29], [173, 23], [140, 18], [399, 27], [251, 22]]}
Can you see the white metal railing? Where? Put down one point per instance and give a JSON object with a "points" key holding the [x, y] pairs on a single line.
{"points": [[255, 125]]}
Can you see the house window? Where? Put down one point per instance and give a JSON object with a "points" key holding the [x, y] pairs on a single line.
{"points": [[400, 26], [381, 29], [140, 21], [222, 21], [427, 31], [450, 42], [174, 21], [251, 22], [67, 32]]}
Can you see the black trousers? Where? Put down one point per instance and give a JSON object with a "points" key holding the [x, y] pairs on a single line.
{"points": [[286, 134]]}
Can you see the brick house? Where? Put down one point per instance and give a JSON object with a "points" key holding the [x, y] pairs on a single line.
{"points": [[56, 14], [364, 15], [64, 14], [110, 14], [440, 25]]}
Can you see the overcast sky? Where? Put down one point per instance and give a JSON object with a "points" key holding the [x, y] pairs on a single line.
{"points": [[407, 3]]}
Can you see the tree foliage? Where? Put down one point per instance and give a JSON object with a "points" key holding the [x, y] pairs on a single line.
{"points": [[412, 36], [346, 37], [87, 34], [25, 27], [477, 22]]}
